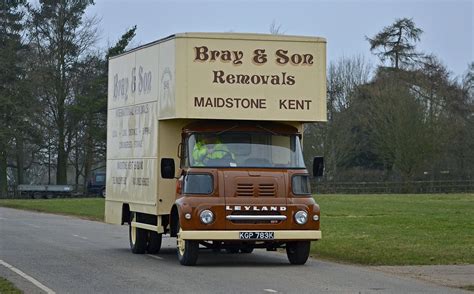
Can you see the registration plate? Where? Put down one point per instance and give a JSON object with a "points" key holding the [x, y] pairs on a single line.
{"points": [[256, 235]]}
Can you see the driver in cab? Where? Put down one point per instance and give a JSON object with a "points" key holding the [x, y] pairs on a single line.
{"points": [[209, 148]]}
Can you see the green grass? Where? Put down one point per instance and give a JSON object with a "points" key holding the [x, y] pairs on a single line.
{"points": [[6, 287], [364, 229], [468, 287], [397, 229], [89, 208]]}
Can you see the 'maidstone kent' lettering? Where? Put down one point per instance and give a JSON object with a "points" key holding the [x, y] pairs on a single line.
{"points": [[230, 102]]}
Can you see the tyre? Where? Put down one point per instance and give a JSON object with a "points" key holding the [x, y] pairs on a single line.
{"points": [[298, 252], [154, 242], [137, 236], [102, 193], [187, 250]]}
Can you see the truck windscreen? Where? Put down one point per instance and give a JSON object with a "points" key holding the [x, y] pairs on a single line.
{"points": [[233, 149]]}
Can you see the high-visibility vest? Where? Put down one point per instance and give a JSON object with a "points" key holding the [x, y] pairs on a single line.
{"points": [[201, 156]]}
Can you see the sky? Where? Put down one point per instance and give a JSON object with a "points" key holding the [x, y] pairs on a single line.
{"points": [[447, 25]]}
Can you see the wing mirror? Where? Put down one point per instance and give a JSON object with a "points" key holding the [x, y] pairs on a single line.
{"points": [[167, 168]]}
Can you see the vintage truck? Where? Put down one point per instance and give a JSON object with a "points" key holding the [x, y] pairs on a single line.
{"points": [[244, 96]]}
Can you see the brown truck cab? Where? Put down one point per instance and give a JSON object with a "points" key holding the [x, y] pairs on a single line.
{"points": [[256, 195], [204, 143]]}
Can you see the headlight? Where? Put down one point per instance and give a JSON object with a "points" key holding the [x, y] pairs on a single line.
{"points": [[207, 217], [300, 185], [301, 217]]}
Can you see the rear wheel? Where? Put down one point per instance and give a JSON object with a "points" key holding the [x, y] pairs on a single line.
{"points": [[187, 250], [298, 252], [154, 243], [137, 236]]}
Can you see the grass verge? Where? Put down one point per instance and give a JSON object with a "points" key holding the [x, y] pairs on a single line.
{"points": [[6, 287], [397, 229], [468, 288], [89, 208]]}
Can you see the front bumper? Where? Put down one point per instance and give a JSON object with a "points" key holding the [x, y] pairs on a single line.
{"points": [[234, 235]]}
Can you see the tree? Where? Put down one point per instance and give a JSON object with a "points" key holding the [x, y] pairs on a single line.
{"points": [[397, 124], [90, 108], [397, 42], [60, 36], [275, 29], [13, 114], [335, 139]]}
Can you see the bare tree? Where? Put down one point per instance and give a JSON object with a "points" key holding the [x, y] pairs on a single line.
{"points": [[61, 35], [335, 139], [343, 78], [275, 29]]}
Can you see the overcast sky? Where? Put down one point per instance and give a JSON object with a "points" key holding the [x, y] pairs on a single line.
{"points": [[448, 25]]}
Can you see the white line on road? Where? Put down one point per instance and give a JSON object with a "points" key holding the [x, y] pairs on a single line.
{"points": [[2, 218], [83, 238], [270, 290], [155, 257], [27, 277]]}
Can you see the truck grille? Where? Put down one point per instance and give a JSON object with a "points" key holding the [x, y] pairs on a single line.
{"points": [[248, 190], [266, 190], [256, 213], [244, 190]]}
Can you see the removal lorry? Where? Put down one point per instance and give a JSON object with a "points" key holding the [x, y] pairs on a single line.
{"points": [[204, 140]]}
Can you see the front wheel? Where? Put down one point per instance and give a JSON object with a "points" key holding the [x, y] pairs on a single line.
{"points": [[298, 251], [137, 236], [187, 250]]}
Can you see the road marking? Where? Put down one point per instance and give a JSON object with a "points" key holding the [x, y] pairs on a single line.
{"points": [[27, 277], [2, 218], [83, 238], [270, 290], [155, 257]]}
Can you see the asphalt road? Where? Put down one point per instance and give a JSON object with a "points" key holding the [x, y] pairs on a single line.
{"points": [[70, 255]]}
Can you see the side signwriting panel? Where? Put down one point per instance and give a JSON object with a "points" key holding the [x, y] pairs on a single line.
{"points": [[120, 80], [132, 127], [132, 180], [132, 131], [145, 77]]}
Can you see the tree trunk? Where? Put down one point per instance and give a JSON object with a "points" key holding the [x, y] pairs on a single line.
{"points": [[3, 174], [61, 171], [20, 160], [88, 156], [76, 162]]}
